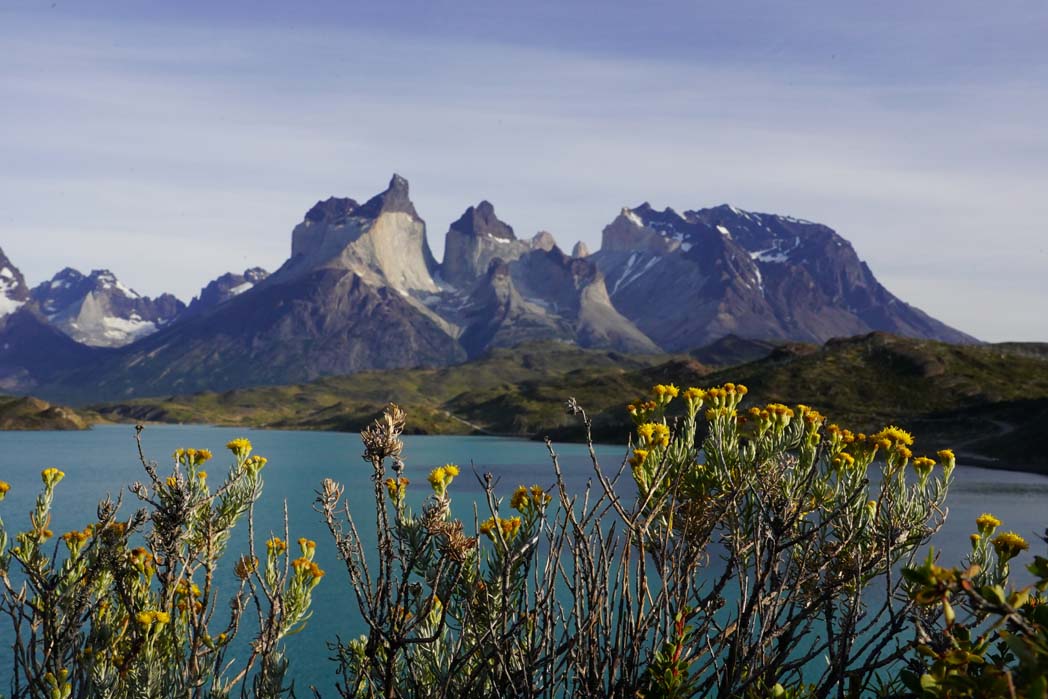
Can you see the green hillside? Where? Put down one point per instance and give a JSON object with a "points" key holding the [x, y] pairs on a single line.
{"points": [[981, 399]]}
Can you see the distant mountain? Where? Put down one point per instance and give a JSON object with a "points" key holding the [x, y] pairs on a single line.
{"points": [[361, 290], [98, 310], [13, 291], [722, 271], [224, 288], [503, 291]]}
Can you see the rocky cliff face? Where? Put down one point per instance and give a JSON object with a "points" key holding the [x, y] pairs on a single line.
{"points": [[724, 271], [517, 291], [98, 310], [224, 288]]}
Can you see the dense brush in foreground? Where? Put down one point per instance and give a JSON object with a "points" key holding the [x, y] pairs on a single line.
{"points": [[735, 553]]}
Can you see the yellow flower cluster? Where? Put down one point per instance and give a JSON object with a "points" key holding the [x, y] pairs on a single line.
{"points": [[254, 464], [664, 393], [192, 457], [51, 477], [397, 489], [75, 539], [240, 447], [4, 487], [844, 460], [440, 478], [149, 617], [923, 465], [987, 522], [306, 568], [642, 410], [308, 546], [525, 500], [1009, 545], [509, 527], [654, 434], [276, 546], [639, 455], [896, 436]]}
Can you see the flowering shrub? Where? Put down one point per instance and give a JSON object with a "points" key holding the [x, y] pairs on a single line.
{"points": [[754, 557], [976, 638], [129, 608]]}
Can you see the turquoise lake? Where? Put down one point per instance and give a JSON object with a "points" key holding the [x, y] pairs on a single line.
{"points": [[103, 460]]}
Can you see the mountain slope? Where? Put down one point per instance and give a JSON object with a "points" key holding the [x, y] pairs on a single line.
{"points": [[724, 271]]}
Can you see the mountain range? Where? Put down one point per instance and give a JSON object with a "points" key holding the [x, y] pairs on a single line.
{"points": [[362, 290]]}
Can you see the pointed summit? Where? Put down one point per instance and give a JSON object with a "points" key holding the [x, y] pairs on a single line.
{"points": [[481, 220], [580, 250], [473, 241], [395, 199]]}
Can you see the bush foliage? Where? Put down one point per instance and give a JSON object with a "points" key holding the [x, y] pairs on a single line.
{"points": [[735, 552]]}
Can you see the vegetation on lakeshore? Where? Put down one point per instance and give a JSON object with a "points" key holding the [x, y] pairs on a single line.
{"points": [[753, 557], [986, 400]]}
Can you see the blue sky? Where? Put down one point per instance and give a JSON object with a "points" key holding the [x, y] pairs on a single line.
{"points": [[172, 142]]}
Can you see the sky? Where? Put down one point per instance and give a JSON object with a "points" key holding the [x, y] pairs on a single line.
{"points": [[173, 142]]}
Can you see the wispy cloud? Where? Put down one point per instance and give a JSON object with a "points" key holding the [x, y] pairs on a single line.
{"points": [[175, 151]]}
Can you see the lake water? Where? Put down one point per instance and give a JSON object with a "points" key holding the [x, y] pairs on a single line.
{"points": [[103, 460]]}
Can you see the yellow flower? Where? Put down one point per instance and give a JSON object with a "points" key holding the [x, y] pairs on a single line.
{"points": [[664, 393], [844, 460], [987, 523], [897, 435], [172, 482], [975, 539], [451, 470], [4, 487], [254, 464], [946, 455], [524, 499], [923, 465], [439, 478], [396, 487], [521, 499], [51, 476], [276, 546], [1009, 545], [308, 547], [240, 447], [639, 455]]}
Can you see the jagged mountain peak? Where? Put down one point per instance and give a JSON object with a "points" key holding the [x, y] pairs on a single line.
{"points": [[580, 249], [395, 199], [480, 220], [98, 309], [13, 290], [383, 241]]}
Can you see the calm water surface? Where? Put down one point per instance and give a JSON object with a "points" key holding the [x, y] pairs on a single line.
{"points": [[103, 460]]}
